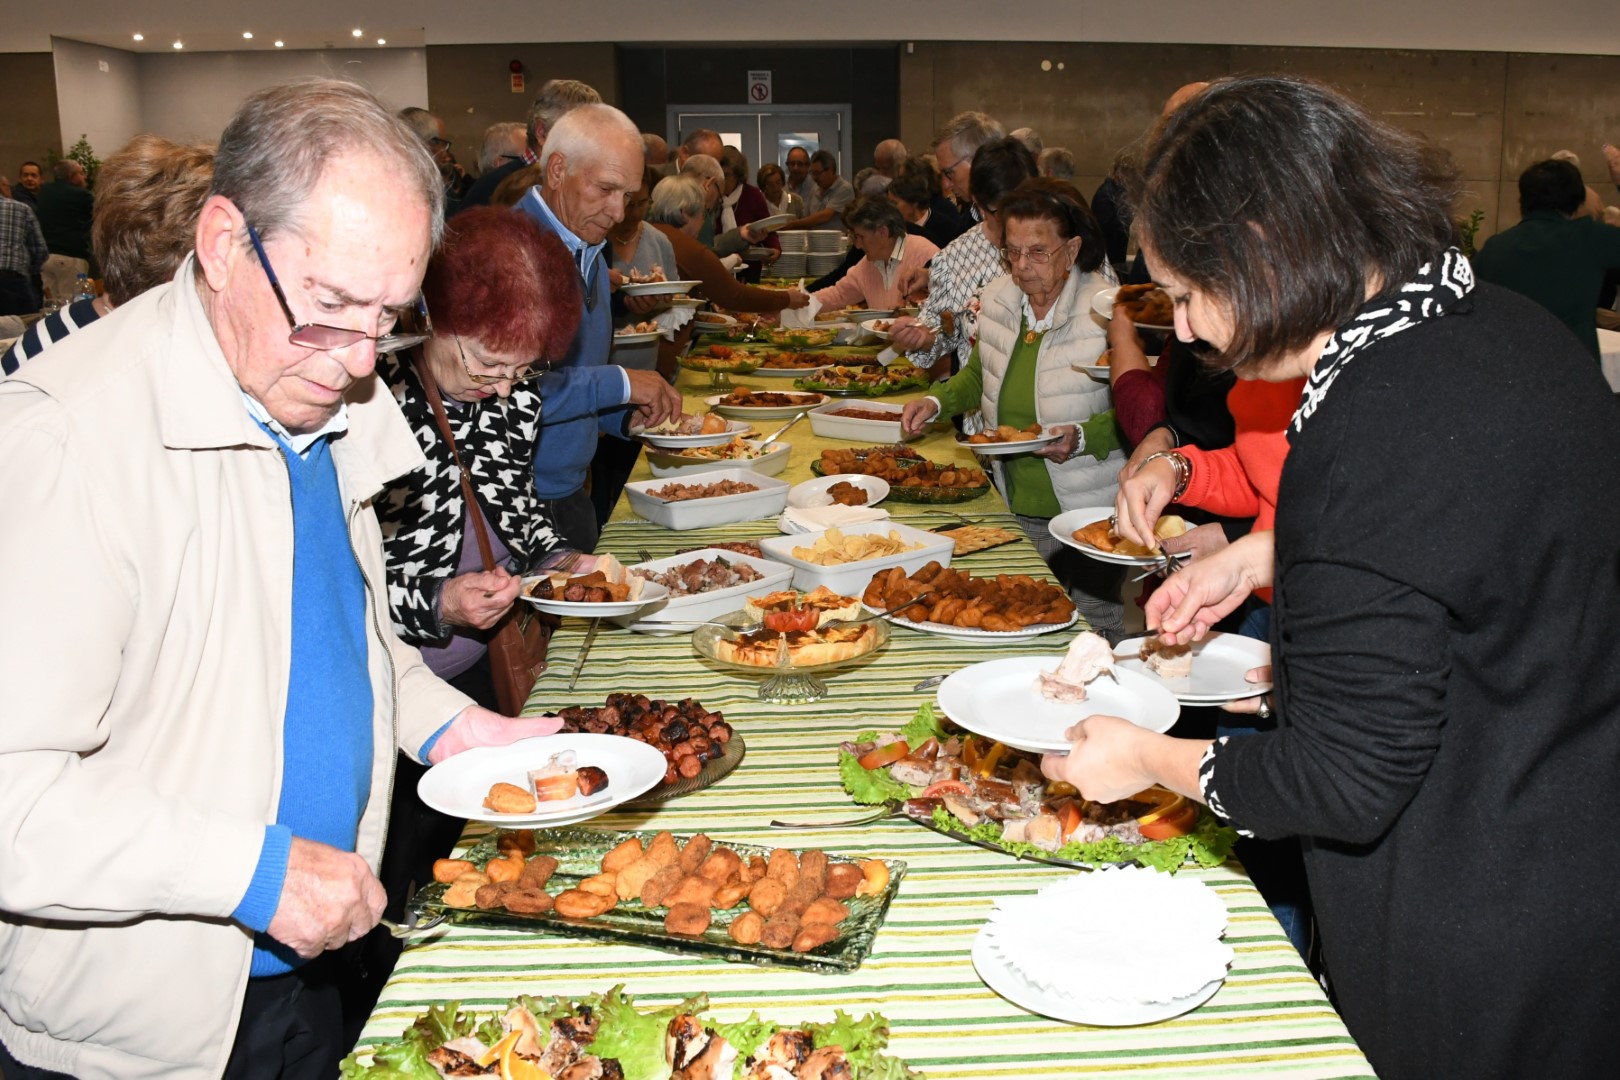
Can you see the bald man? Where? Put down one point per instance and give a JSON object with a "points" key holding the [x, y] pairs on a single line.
{"points": [[656, 148], [889, 157]]}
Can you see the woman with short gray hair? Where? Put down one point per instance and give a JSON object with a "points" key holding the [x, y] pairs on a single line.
{"points": [[677, 212]]}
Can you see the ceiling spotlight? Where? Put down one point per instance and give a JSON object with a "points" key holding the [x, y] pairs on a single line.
{"points": [[280, 43], [179, 44], [382, 41], [357, 32], [140, 37], [247, 35]]}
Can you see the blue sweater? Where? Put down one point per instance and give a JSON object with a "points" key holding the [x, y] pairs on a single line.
{"points": [[326, 735], [583, 394]]}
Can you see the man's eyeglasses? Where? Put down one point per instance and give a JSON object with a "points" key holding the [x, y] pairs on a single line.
{"points": [[523, 373], [1010, 256], [328, 338]]}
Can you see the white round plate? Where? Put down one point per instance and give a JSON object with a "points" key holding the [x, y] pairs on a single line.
{"points": [[650, 593], [768, 412], [713, 319], [458, 785], [1007, 981], [1219, 664], [658, 288], [688, 301], [814, 492], [1064, 525], [637, 339], [682, 442], [758, 254], [1102, 302], [770, 224], [998, 699], [1006, 449], [968, 633], [790, 373]]}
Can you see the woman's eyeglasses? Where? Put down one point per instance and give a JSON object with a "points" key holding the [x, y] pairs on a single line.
{"points": [[523, 373], [329, 338], [1010, 256]]}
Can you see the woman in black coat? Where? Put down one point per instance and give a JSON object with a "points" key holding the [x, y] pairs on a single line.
{"points": [[1446, 567]]}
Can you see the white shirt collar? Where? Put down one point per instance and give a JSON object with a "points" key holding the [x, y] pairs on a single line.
{"points": [[1041, 325], [300, 443], [888, 268]]}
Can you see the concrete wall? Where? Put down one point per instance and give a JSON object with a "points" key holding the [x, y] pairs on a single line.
{"points": [[98, 94], [469, 86], [1496, 112], [32, 130]]}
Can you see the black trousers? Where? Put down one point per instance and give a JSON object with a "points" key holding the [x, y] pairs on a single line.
{"points": [[18, 294], [610, 468], [291, 1029]]}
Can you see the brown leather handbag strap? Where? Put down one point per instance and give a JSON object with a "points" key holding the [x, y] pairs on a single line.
{"points": [[480, 529]]}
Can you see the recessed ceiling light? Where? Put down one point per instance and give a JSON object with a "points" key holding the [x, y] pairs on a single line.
{"points": [[358, 33], [382, 41], [279, 44], [247, 35], [140, 37], [179, 44]]}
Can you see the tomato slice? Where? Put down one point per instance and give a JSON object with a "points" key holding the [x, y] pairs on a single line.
{"points": [[946, 787], [1068, 820], [720, 352], [884, 755], [791, 620], [1176, 822]]}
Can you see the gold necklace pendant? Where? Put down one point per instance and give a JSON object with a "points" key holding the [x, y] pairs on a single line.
{"points": [[1030, 336]]}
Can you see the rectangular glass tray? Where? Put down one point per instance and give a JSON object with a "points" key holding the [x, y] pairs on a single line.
{"points": [[579, 855]]}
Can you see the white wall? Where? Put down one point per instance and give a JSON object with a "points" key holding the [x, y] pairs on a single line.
{"points": [[102, 105], [192, 95]]}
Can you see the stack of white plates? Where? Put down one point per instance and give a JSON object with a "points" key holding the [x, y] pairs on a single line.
{"points": [[818, 264], [823, 240], [790, 265], [794, 241]]}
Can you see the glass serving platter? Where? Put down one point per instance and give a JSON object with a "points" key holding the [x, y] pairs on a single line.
{"points": [[785, 684], [579, 855]]}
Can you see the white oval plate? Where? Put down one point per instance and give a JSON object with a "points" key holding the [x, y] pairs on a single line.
{"points": [[968, 633], [1006, 449], [651, 593], [1064, 525], [998, 699], [458, 785], [658, 288], [770, 224], [682, 442], [1102, 302], [766, 412], [637, 339], [814, 492], [1219, 663], [1007, 981]]}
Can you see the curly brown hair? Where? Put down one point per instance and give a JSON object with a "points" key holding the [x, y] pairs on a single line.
{"points": [[148, 196]]}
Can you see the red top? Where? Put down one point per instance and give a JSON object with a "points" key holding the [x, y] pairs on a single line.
{"points": [[1241, 480]]}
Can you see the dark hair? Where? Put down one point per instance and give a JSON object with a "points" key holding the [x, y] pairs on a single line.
{"points": [[501, 279], [920, 168], [875, 212], [25, 165], [800, 149], [734, 163], [999, 166], [515, 185], [1283, 199], [148, 196], [1060, 202], [767, 169], [650, 175], [1551, 185], [825, 159], [913, 188]]}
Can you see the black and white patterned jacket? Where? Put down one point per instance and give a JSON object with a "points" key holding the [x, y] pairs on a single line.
{"points": [[422, 513]]}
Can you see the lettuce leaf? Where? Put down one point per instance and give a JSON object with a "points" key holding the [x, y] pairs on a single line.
{"points": [[636, 1038], [747, 1036], [923, 726], [1208, 844], [863, 1041], [407, 1059], [869, 787]]}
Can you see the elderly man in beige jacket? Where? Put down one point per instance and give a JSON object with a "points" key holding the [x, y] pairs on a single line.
{"points": [[200, 690]]}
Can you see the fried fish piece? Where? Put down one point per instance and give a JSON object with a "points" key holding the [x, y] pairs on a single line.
{"points": [[506, 798]]}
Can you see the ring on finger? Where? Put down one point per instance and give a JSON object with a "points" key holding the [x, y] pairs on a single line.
{"points": [[1264, 711]]}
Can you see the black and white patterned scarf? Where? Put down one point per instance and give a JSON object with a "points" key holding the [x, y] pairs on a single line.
{"points": [[1435, 292]]}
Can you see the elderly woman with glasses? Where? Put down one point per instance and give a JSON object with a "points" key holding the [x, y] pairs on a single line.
{"points": [[1036, 335], [504, 298], [891, 256]]}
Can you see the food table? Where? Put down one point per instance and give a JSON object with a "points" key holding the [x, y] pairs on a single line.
{"points": [[1269, 1018]]}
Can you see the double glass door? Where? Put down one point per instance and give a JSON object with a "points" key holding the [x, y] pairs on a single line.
{"points": [[769, 132]]}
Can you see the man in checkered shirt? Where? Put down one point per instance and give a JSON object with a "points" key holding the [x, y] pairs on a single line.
{"points": [[22, 254]]}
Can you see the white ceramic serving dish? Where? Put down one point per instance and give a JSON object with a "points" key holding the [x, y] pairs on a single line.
{"points": [[720, 510], [770, 463], [678, 614], [851, 579], [823, 423]]}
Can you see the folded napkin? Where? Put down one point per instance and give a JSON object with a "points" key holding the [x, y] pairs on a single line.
{"points": [[732, 262], [672, 319], [1129, 934], [801, 318], [817, 518]]}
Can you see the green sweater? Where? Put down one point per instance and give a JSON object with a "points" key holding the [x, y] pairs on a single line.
{"points": [[1029, 486], [1556, 261]]}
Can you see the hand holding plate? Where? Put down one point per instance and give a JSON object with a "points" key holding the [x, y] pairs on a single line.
{"points": [[1104, 759]]}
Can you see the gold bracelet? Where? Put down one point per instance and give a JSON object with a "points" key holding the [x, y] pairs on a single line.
{"points": [[1180, 463]]}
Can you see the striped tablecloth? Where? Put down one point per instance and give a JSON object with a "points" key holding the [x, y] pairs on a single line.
{"points": [[1269, 1018]]}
